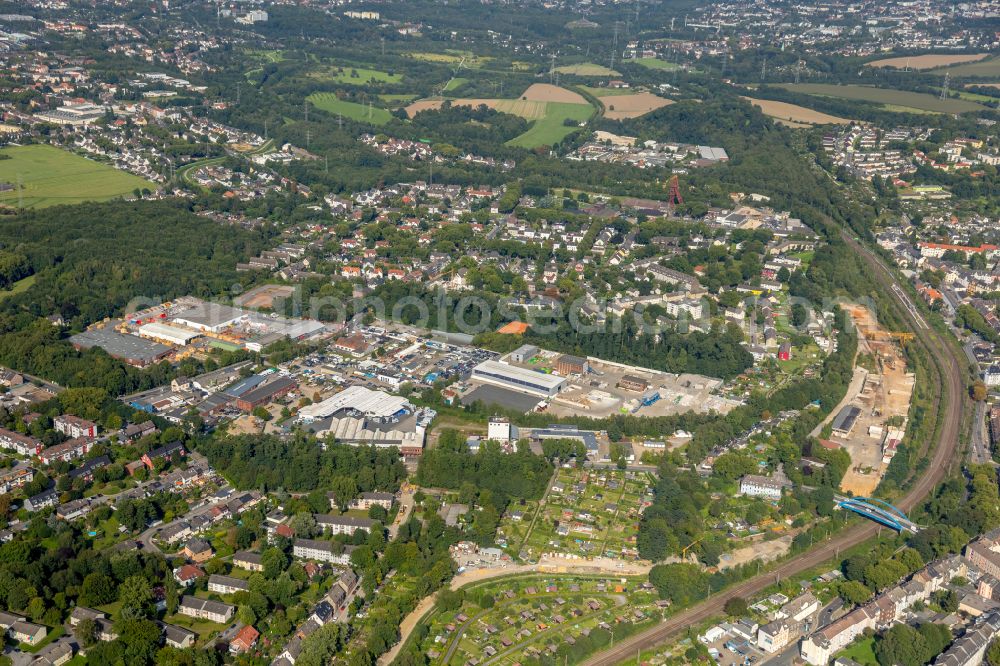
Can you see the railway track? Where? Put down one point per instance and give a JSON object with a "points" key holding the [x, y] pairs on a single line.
{"points": [[944, 455]]}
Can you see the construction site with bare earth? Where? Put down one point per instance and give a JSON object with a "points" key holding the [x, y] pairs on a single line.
{"points": [[870, 422]]}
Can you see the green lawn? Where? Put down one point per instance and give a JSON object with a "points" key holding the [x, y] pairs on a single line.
{"points": [[886, 96], [361, 112], [454, 84], [355, 76], [203, 628], [862, 651], [550, 129], [51, 176], [655, 63], [21, 285]]}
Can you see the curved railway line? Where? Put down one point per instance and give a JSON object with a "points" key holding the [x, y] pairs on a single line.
{"points": [[949, 368]]}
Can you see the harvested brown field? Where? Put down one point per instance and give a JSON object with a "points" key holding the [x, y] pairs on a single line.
{"points": [[928, 61], [546, 92], [984, 85], [619, 107], [793, 113], [422, 105]]}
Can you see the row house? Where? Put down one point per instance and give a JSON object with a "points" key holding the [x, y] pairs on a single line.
{"points": [[74, 426], [321, 551], [87, 469], [206, 609], [819, 648], [68, 450], [15, 477], [227, 584], [165, 452], [74, 509], [342, 524], [42, 500], [21, 444], [883, 611], [248, 560], [366, 501]]}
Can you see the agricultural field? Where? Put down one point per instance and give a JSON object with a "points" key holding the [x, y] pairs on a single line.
{"points": [[547, 105], [607, 92], [395, 100], [988, 67], [587, 69], [897, 99], [654, 63], [355, 76], [619, 107], [516, 107], [551, 129], [928, 61], [330, 103], [511, 619], [452, 56], [454, 84], [50, 176], [794, 114], [586, 512]]}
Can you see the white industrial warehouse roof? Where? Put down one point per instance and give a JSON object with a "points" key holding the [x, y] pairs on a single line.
{"points": [[167, 332], [520, 374], [374, 404]]}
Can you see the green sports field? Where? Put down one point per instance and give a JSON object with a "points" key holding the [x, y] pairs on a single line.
{"points": [[50, 176], [361, 112], [901, 100]]}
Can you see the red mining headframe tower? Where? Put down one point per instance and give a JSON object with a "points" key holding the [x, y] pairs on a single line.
{"points": [[674, 198]]}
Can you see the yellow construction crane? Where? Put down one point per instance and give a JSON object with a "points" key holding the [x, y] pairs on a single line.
{"points": [[685, 550]]}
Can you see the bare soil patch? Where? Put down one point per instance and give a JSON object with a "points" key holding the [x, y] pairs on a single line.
{"points": [[546, 92], [929, 61], [793, 113], [618, 107]]}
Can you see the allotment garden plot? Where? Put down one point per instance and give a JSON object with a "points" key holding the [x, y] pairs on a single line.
{"points": [[511, 619], [586, 513]]}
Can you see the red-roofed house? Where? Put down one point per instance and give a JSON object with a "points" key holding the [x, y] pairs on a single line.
{"points": [[187, 574], [244, 640]]}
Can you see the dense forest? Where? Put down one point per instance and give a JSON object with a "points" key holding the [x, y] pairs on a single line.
{"points": [[89, 261], [300, 464], [716, 353]]}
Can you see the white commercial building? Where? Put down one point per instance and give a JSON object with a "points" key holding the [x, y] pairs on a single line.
{"points": [[376, 405], [161, 332], [501, 430], [517, 378], [210, 317]]}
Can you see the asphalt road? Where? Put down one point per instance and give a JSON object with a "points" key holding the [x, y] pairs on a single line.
{"points": [[945, 453]]}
